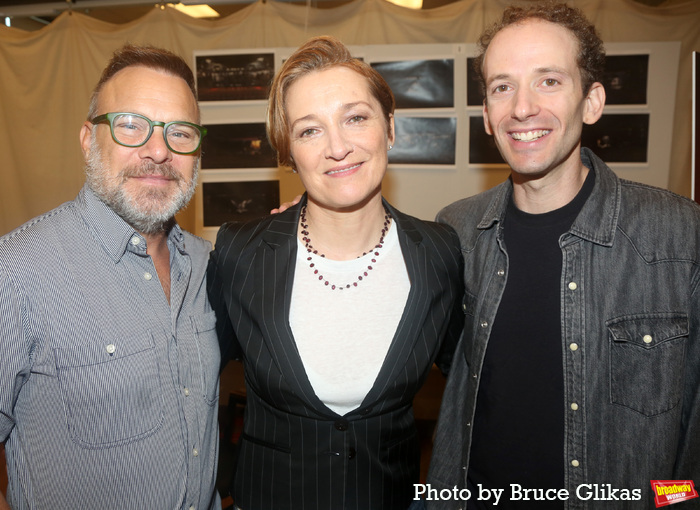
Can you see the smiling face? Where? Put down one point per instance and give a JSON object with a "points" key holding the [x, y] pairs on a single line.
{"points": [[338, 138], [145, 185], [535, 107]]}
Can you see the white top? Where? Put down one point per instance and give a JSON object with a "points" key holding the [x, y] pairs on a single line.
{"points": [[343, 335]]}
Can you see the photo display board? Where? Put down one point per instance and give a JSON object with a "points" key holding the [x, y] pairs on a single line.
{"points": [[438, 119]]}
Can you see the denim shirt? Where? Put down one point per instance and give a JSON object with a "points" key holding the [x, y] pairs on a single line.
{"points": [[630, 314]]}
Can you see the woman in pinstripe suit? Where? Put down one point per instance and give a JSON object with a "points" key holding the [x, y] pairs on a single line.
{"points": [[338, 307]]}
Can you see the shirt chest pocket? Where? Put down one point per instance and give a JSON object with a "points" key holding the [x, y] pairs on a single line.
{"points": [[112, 395], [647, 355], [208, 355]]}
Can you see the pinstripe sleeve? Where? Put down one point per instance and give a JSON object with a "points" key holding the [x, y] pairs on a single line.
{"points": [[14, 353], [228, 343]]}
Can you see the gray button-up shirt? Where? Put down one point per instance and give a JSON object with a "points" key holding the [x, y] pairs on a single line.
{"points": [[108, 393], [630, 324]]}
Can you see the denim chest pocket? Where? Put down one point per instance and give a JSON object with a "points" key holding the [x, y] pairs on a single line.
{"points": [[647, 355], [112, 395]]}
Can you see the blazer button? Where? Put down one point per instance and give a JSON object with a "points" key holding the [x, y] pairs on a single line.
{"points": [[341, 426], [351, 453]]}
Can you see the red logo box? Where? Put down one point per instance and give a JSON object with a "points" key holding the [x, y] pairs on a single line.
{"points": [[669, 492]]}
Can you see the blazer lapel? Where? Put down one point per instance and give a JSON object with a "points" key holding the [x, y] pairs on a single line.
{"points": [[275, 263], [417, 305]]}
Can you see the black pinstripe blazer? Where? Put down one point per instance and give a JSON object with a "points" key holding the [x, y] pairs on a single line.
{"points": [[295, 453]]}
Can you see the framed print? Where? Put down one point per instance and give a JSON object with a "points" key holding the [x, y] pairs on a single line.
{"points": [[424, 141], [482, 148], [234, 76], [475, 97], [238, 201], [625, 79], [420, 83], [237, 146], [618, 138]]}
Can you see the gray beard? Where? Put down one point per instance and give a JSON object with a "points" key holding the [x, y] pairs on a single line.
{"points": [[148, 211]]}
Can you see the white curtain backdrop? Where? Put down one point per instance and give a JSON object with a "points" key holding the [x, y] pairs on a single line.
{"points": [[46, 76]]}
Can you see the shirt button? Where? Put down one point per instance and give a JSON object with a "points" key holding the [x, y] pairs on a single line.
{"points": [[573, 286], [147, 276], [574, 463], [111, 348], [484, 324], [647, 339], [341, 426], [574, 406], [195, 452], [500, 272], [573, 346], [351, 453], [135, 241], [187, 392]]}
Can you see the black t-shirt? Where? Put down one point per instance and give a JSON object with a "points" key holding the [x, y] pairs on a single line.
{"points": [[518, 435]]}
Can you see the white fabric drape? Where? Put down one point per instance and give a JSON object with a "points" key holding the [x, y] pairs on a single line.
{"points": [[46, 76]]}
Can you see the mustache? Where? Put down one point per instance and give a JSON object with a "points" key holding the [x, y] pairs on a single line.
{"points": [[149, 168]]}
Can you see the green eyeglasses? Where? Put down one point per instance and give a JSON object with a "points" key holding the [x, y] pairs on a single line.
{"points": [[134, 130]]}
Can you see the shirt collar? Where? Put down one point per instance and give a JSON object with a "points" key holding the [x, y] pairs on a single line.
{"points": [[598, 218], [115, 234]]}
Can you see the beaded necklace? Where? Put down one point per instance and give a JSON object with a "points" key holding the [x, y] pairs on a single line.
{"points": [[312, 252]]}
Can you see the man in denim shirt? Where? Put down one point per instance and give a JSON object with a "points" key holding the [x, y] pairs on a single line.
{"points": [[579, 373], [109, 371]]}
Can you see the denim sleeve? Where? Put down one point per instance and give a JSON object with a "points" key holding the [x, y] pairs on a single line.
{"points": [[688, 456], [14, 352]]}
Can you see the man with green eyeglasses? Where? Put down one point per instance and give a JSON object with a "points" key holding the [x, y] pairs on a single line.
{"points": [[110, 362]]}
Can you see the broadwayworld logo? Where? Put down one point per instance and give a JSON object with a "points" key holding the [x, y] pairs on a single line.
{"points": [[668, 492]]}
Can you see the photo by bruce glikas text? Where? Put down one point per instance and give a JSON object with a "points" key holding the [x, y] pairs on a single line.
{"points": [[584, 492]]}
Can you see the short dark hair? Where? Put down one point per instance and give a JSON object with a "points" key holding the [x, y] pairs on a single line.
{"points": [[591, 52], [317, 54], [150, 57]]}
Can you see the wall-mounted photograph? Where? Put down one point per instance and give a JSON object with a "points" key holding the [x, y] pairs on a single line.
{"points": [[619, 138], [237, 146], [238, 201], [625, 79], [482, 148], [234, 77], [420, 83], [424, 141], [475, 96]]}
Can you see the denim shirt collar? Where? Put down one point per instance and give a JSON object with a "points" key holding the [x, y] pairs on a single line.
{"points": [[112, 232], [598, 218]]}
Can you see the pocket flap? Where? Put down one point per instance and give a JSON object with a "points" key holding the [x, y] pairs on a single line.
{"points": [[648, 330]]}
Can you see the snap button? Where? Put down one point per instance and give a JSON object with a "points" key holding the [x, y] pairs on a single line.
{"points": [[573, 286], [647, 339], [111, 348]]}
